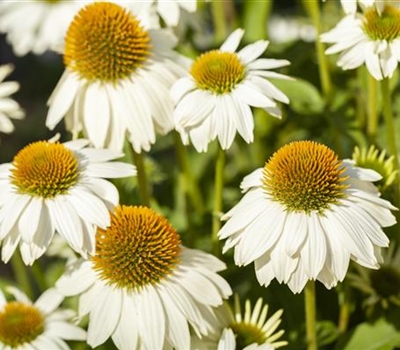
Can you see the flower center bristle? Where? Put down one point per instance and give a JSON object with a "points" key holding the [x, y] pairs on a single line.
{"points": [[44, 169], [304, 176], [386, 281], [382, 26], [105, 42], [19, 324], [247, 334], [139, 247], [217, 71]]}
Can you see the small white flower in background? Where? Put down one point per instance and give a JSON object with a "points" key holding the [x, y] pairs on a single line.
{"points": [[284, 29], [52, 187], [371, 38], [36, 26], [169, 10], [305, 215], [9, 109], [249, 331], [142, 287], [41, 325], [214, 99], [117, 79]]}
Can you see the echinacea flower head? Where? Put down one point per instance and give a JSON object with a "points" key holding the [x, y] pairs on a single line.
{"points": [[117, 79], [250, 330], [169, 10], [382, 287], [305, 215], [41, 325], [215, 98], [143, 288], [9, 109], [36, 26], [371, 38], [51, 186], [373, 159]]}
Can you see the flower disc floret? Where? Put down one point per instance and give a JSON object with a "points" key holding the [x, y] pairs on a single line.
{"points": [[19, 324], [105, 42], [304, 176], [382, 26], [139, 247], [218, 71], [44, 169]]}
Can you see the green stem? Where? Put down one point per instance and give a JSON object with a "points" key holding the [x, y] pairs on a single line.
{"points": [[390, 133], [256, 12], [219, 20], [311, 318], [344, 312], [218, 189], [143, 185], [21, 274], [372, 125], [191, 186], [312, 8]]}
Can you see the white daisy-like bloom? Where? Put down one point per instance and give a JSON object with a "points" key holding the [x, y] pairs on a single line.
{"points": [[144, 289], [305, 215], [371, 38], [249, 331], [51, 187], [117, 79], [36, 26], [9, 109], [41, 325], [215, 97], [169, 10]]}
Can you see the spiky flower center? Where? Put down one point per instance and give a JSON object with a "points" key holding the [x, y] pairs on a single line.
{"points": [[44, 169], [382, 26], [19, 324], [139, 247], [386, 281], [247, 333], [105, 43], [304, 176], [217, 71]]}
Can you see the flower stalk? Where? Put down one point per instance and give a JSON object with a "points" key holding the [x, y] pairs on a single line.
{"points": [[218, 189], [311, 318]]}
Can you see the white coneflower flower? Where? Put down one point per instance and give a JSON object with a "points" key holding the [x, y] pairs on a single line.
{"points": [[249, 331], [372, 37], [169, 10], [36, 25], [41, 325], [214, 100], [142, 287], [52, 187], [305, 215], [9, 109], [117, 79]]}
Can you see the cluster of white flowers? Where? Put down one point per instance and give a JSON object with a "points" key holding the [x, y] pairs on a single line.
{"points": [[303, 216]]}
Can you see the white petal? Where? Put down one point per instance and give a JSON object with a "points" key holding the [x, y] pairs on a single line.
{"points": [[251, 52], [152, 316], [233, 41], [104, 316], [96, 114], [62, 98]]}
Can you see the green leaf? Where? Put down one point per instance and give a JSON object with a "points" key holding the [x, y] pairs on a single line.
{"points": [[380, 335], [304, 97]]}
